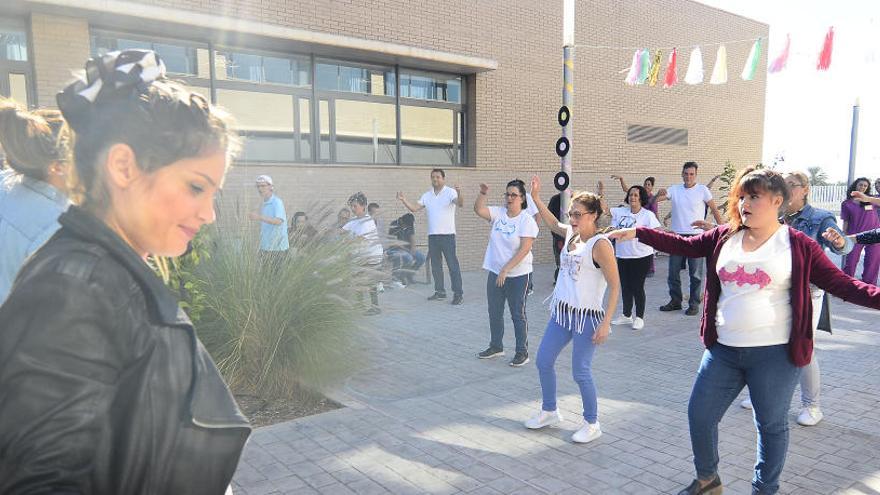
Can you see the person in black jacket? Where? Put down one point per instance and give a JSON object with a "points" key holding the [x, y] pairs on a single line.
{"points": [[104, 386]]}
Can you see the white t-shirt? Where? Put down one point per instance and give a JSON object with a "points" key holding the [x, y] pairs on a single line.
{"points": [[531, 207], [365, 227], [504, 241], [688, 205], [623, 218], [754, 308], [580, 285], [441, 210]]}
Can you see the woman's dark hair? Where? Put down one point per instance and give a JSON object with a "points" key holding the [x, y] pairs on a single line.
{"points": [[591, 202], [32, 140], [126, 99], [521, 186], [651, 180], [753, 181], [643, 195], [297, 216], [854, 185]]}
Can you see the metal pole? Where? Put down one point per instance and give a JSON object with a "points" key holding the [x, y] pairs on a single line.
{"points": [[567, 99], [853, 143]]}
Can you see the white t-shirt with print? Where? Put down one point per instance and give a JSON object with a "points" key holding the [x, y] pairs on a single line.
{"points": [[623, 218], [440, 209], [504, 241], [688, 205], [365, 227], [754, 308]]}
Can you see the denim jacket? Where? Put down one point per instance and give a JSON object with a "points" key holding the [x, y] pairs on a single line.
{"points": [[29, 211], [813, 221]]}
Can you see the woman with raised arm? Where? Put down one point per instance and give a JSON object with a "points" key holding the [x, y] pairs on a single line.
{"points": [[509, 263], [859, 214], [587, 268], [104, 386], [757, 320]]}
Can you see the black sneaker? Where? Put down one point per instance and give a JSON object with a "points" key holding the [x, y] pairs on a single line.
{"points": [[692, 310], [437, 296], [373, 311], [713, 488], [520, 359], [456, 300], [490, 353], [671, 306]]}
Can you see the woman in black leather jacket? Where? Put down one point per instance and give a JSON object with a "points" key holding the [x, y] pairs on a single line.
{"points": [[104, 387]]}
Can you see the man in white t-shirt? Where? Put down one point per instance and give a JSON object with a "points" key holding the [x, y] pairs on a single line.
{"points": [[440, 203], [364, 227], [689, 203]]}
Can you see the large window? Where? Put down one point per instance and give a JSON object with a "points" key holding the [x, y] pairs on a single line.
{"points": [[296, 108], [180, 59], [16, 75]]}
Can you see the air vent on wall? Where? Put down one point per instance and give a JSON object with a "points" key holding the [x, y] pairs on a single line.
{"points": [[648, 134]]}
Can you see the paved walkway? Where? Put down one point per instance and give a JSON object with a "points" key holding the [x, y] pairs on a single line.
{"points": [[426, 416]]}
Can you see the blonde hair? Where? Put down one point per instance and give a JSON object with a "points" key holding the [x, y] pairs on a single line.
{"points": [[32, 140], [804, 179]]}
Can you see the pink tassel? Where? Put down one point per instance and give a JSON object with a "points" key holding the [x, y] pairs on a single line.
{"points": [[825, 56], [671, 76], [779, 62]]}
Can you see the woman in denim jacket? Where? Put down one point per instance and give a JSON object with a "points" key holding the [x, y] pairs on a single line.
{"points": [[33, 191]]}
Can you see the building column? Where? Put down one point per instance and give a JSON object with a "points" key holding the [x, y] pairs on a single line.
{"points": [[60, 47]]}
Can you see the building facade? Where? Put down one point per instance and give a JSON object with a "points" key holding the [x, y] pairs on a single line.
{"points": [[334, 97]]}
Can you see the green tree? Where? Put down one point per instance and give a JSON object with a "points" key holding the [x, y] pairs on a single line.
{"points": [[818, 177]]}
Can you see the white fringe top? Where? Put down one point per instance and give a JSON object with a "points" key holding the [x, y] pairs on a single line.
{"points": [[580, 286]]}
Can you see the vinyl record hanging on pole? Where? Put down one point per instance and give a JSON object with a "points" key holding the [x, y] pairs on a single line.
{"points": [[562, 146], [564, 116], [560, 181]]}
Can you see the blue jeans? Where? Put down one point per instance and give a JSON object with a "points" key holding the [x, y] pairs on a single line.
{"points": [[771, 378], [443, 246], [404, 263], [556, 337], [514, 292], [695, 271]]}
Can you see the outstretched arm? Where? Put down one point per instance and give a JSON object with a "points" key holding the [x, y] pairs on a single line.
{"points": [[828, 277], [697, 246], [480, 207], [543, 211], [409, 206]]}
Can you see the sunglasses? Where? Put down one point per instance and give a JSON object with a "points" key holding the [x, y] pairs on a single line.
{"points": [[511, 195], [576, 214]]}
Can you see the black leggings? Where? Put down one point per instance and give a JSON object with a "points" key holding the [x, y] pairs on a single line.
{"points": [[632, 283]]}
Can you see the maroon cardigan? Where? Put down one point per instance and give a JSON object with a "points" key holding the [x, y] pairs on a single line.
{"points": [[808, 264]]}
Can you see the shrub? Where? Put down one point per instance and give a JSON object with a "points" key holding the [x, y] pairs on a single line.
{"points": [[274, 327]]}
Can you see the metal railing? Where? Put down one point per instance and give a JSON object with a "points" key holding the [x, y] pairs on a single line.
{"points": [[828, 197]]}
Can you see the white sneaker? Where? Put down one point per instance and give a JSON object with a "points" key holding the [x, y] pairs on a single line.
{"points": [[397, 284], [746, 403], [546, 418], [622, 320], [810, 416], [587, 433], [638, 323], [380, 287]]}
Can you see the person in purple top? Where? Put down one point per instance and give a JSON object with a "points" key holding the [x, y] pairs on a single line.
{"points": [[860, 215]]}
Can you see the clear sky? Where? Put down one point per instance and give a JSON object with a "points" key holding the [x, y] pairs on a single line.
{"points": [[809, 113]]}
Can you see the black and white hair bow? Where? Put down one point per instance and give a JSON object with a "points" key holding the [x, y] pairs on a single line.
{"points": [[114, 75]]}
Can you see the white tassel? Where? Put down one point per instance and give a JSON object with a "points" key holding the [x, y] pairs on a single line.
{"points": [[695, 68], [719, 72]]}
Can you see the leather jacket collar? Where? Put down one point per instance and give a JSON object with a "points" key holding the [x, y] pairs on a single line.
{"points": [[162, 302]]}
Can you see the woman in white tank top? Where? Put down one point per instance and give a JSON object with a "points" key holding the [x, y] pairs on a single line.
{"points": [[587, 268]]}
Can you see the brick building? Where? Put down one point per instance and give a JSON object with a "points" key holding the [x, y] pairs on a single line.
{"points": [[336, 96]]}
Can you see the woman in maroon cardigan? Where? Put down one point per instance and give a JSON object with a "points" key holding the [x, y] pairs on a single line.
{"points": [[756, 323]]}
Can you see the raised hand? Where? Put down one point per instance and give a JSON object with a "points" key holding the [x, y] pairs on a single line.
{"points": [[484, 189], [859, 195], [536, 186], [400, 196]]}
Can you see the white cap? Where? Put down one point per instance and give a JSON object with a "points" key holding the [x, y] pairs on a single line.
{"points": [[264, 179]]}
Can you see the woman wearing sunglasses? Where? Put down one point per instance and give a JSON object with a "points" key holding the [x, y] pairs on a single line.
{"points": [[587, 267], [509, 263]]}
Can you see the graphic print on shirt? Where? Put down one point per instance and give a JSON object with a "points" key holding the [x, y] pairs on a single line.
{"points": [[741, 277], [571, 265], [505, 228], [625, 222]]}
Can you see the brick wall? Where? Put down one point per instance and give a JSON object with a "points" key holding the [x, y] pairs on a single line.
{"points": [[60, 46], [514, 115]]}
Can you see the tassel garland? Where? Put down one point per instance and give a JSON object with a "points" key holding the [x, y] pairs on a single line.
{"points": [[671, 76], [695, 68], [825, 56], [779, 62], [719, 72], [751, 66], [654, 72]]}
